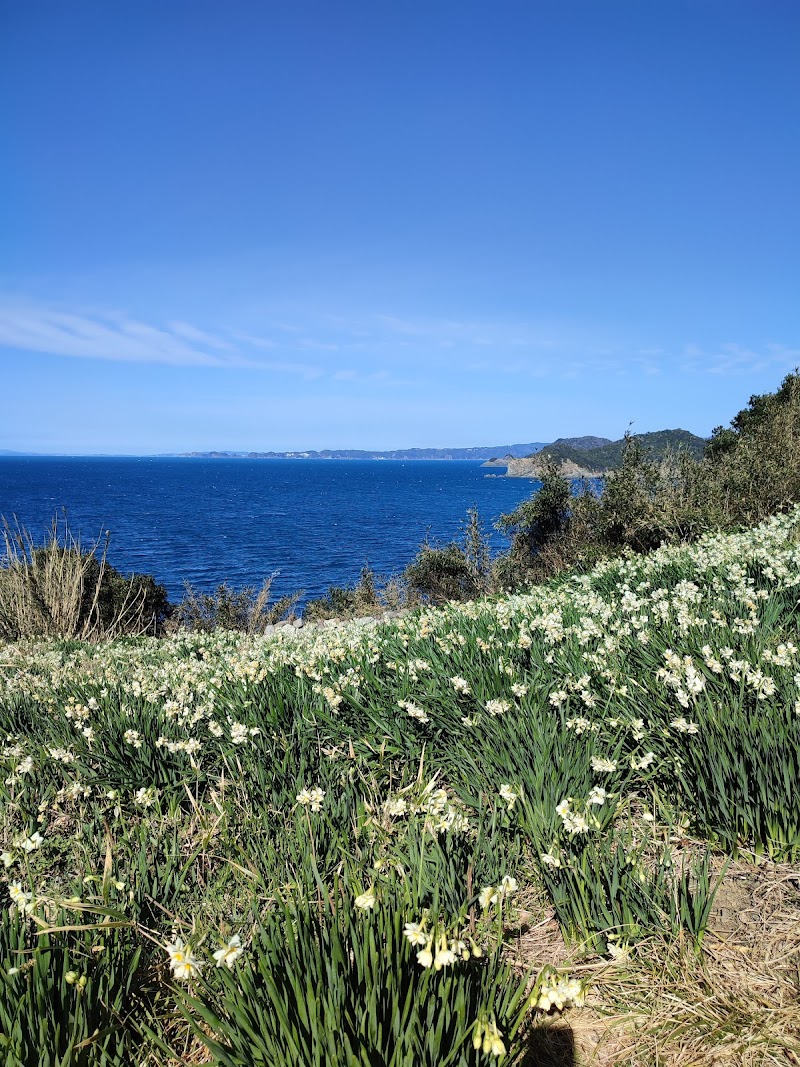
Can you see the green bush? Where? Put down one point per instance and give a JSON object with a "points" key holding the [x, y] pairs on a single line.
{"points": [[248, 610], [750, 470], [343, 602], [456, 571]]}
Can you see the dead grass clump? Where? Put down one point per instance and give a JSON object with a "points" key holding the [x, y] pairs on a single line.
{"points": [[63, 589], [737, 1004]]}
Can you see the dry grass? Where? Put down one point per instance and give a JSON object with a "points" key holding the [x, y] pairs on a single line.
{"points": [[737, 1005], [54, 589]]}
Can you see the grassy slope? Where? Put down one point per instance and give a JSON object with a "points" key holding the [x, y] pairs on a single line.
{"points": [[169, 773]]}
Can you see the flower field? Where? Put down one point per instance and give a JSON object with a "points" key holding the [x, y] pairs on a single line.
{"points": [[318, 847]]}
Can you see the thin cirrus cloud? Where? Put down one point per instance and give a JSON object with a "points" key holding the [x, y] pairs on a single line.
{"points": [[107, 336], [191, 333], [731, 358], [423, 346], [119, 338]]}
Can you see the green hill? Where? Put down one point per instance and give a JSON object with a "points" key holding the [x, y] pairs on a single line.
{"points": [[608, 456]]}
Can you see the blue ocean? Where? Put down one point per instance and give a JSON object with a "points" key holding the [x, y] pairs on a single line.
{"points": [[311, 523]]}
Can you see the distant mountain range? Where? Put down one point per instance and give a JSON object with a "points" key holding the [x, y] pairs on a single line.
{"points": [[477, 453], [586, 456]]}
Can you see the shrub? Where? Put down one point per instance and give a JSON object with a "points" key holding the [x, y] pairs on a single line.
{"points": [[343, 602], [61, 589], [456, 571], [750, 470], [247, 610], [549, 532]]}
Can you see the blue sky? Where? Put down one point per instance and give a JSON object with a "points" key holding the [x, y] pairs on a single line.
{"points": [[307, 225]]}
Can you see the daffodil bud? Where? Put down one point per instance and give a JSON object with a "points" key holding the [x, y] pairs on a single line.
{"points": [[477, 1037]]}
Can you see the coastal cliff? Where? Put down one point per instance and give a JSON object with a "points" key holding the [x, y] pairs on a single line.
{"points": [[532, 466]]}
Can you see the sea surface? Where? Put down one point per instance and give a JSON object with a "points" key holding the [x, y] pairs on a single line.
{"points": [[311, 523]]}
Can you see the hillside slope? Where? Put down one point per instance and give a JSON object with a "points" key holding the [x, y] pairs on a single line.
{"points": [[578, 462]]}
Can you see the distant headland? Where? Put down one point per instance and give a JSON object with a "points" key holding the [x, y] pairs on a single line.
{"points": [[590, 457]]}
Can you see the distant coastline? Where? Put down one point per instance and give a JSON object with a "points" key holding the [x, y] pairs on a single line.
{"points": [[477, 453], [577, 456]]}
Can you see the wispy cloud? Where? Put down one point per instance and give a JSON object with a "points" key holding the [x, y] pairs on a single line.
{"points": [[371, 349], [191, 333], [109, 336], [250, 339], [117, 337], [733, 358]]}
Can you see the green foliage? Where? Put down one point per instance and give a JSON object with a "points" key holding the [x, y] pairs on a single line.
{"points": [[652, 497], [561, 743], [762, 409], [542, 518], [455, 571], [441, 573], [248, 610], [341, 602], [608, 455], [739, 778], [613, 889], [137, 595], [549, 532], [335, 961], [67, 997]]}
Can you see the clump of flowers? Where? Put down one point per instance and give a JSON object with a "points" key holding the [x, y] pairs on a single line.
{"points": [[311, 798], [146, 796], [30, 843], [491, 894], [438, 948], [559, 991], [182, 962], [574, 822], [132, 737], [413, 710], [22, 900], [510, 795], [683, 726], [602, 765], [488, 1037], [367, 900], [229, 953]]}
